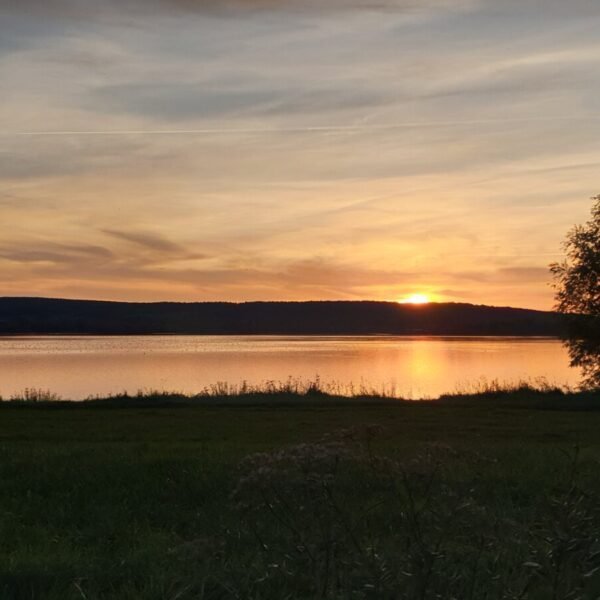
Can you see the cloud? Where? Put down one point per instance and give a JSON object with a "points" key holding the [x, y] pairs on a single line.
{"points": [[56, 253], [307, 278], [323, 6], [319, 271], [183, 101], [151, 241], [86, 8], [513, 275], [524, 274], [28, 159]]}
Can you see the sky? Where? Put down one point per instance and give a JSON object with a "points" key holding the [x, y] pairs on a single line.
{"points": [[197, 150]]}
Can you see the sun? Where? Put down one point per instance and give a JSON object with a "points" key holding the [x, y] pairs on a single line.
{"points": [[416, 299]]}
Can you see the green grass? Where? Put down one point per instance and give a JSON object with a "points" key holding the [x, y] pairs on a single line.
{"points": [[490, 496]]}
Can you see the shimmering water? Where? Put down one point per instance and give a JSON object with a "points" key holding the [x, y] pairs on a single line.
{"points": [[78, 367]]}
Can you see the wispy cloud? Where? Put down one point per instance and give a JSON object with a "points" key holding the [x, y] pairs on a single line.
{"points": [[151, 241], [341, 129], [52, 252], [81, 8]]}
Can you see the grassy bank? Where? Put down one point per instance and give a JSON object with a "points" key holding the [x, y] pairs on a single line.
{"points": [[488, 496]]}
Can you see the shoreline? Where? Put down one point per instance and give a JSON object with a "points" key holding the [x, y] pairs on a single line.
{"points": [[521, 395]]}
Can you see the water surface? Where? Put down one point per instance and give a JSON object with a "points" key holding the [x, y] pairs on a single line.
{"points": [[414, 367]]}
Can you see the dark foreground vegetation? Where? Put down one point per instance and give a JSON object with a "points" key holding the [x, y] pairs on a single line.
{"points": [[301, 495], [55, 316]]}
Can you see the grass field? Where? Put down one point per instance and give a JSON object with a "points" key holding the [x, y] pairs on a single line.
{"points": [[492, 496]]}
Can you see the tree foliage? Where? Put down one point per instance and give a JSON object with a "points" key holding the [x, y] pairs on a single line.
{"points": [[577, 284]]}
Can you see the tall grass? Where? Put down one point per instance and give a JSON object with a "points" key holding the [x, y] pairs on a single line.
{"points": [[297, 389], [484, 386], [290, 389], [336, 519], [34, 395]]}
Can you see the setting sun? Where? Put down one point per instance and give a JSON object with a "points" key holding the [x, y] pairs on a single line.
{"points": [[415, 299]]}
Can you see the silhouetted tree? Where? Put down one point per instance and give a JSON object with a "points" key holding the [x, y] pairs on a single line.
{"points": [[577, 283]]}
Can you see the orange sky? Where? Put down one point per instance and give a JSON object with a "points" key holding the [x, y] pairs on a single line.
{"points": [[276, 150]]}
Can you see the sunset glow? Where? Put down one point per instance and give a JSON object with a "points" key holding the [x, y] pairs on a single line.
{"points": [[416, 299]]}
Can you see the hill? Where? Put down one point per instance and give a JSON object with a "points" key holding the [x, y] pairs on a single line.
{"points": [[57, 316]]}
